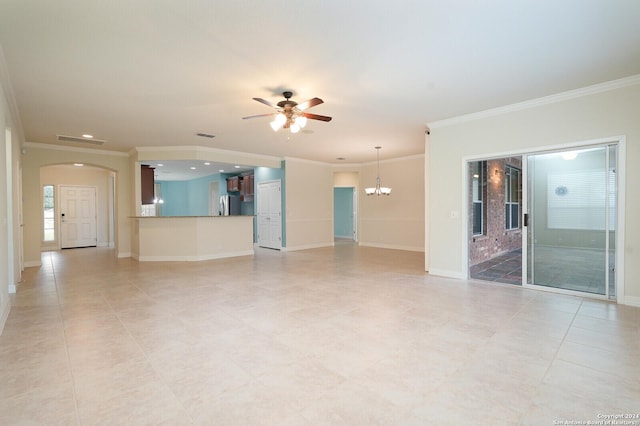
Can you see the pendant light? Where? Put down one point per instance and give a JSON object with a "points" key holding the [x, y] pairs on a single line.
{"points": [[378, 189]]}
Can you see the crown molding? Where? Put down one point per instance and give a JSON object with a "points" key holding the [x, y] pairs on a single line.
{"points": [[74, 149], [352, 165], [203, 149], [7, 87], [394, 160], [533, 103]]}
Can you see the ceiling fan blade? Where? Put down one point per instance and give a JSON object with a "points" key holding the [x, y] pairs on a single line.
{"points": [[315, 116], [260, 115], [310, 103], [263, 101]]}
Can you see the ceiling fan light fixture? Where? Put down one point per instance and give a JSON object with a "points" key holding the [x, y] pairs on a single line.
{"points": [[275, 125], [281, 119], [289, 113], [301, 121]]}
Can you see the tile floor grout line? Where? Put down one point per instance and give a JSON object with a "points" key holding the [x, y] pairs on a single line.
{"points": [[564, 338], [555, 355], [146, 357], [66, 342]]}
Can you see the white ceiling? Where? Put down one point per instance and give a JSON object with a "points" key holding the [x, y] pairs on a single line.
{"points": [[156, 72]]}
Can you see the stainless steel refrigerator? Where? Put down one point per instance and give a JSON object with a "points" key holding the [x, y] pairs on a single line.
{"points": [[229, 205]]}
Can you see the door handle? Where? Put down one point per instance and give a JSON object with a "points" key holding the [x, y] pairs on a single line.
{"points": [[526, 219]]}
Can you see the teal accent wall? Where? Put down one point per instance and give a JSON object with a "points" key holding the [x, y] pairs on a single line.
{"points": [[198, 195], [343, 212], [175, 197], [188, 197]]}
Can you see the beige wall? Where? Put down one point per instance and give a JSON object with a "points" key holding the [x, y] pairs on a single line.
{"points": [[10, 163], [5, 241], [192, 238], [599, 114], [38, 156], [346, 179], [309, 204], [84, 176], [395, 221]]}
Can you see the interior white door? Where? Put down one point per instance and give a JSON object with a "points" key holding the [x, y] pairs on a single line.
{"points": [[214, 199], [269, 215], [78, 216]]}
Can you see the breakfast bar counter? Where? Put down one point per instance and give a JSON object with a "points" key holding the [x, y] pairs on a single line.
{"points": [[191, 238]]}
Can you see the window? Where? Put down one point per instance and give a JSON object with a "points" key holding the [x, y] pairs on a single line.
{"points": [[512, 197], [48, 204], [477, 196]]}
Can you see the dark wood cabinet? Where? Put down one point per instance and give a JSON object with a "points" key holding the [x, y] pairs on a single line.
{"points": [[246, 188], [147, 184], [233, 184], [242, 184]]}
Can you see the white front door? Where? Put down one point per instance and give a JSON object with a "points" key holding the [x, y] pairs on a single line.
{"points": [[77, 216], [269, 215]]}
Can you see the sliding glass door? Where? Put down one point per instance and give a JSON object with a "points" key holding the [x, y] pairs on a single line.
{"points": [[570, 220]]}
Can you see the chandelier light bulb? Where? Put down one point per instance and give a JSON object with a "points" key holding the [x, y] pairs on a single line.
{"points": [[295, 128]]}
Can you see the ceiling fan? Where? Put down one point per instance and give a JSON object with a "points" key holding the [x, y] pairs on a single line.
{"points": [[290, 114]]}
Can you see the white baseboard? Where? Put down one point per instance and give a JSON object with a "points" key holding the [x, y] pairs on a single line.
{"points": [[32, 263], [391, 246], [193, 258], [632, 301], [4, 315], [447, 274], [309, 246]]}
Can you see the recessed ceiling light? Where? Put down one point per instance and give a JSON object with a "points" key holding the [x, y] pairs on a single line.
{"points": [[78, 164], [221, 171], [207, 164], [159, 164], [237, 167], [87, 136], [340, 158], [192, 168]]}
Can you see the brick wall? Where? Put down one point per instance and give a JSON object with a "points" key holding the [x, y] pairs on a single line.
{"points": [[496, 239]]}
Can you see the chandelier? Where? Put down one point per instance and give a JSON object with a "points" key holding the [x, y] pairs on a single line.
{"points": [[378, 190]]}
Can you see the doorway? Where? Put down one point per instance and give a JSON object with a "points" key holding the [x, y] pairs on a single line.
{"points": [[344, 213], [214, 199], [78, 216], [494, 226], [572, 220], [561, 206], [269, 215]]}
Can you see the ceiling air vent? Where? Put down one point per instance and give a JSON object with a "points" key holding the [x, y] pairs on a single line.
{"points": [[205, 135], [63, 138]]}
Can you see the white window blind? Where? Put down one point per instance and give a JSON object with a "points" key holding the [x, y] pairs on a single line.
{"points": [[577, 200]]}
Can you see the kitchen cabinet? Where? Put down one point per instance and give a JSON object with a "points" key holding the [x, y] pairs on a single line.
{"points": [[246, 188], [233, 184], [147, 184]]}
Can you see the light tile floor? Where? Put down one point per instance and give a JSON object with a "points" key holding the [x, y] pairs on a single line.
{"points": [[332, 336]]}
